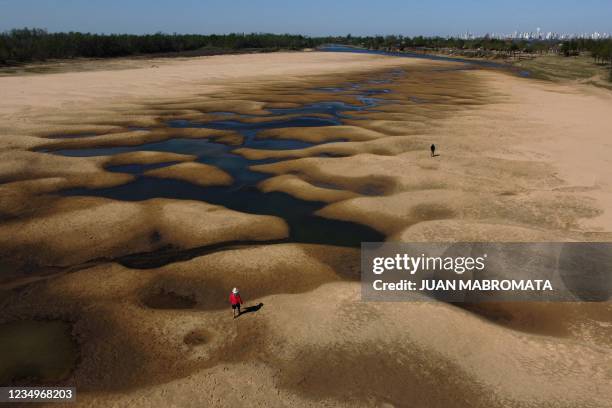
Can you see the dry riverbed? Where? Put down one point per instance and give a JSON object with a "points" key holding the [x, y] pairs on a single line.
{"points": [[520, 160]]}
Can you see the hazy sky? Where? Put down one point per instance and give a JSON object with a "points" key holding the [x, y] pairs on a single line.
{"points": [[314, 17]]}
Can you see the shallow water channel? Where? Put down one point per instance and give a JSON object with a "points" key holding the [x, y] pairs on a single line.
{"points": [[243, 195]]}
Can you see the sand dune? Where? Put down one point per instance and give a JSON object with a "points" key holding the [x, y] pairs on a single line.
{"points": [[302, 189], [75, 230], [195, 173], [306, 336]]}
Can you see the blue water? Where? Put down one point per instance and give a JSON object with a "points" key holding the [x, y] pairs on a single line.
{"points": [[471, 63], [138, 168], [243, 195]]}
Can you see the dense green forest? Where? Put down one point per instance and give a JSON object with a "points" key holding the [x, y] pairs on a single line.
{"points": [[601, 50], [26, 45]]}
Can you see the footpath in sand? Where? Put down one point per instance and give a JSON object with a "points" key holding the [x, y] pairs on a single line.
{"points": [[520, 160]]}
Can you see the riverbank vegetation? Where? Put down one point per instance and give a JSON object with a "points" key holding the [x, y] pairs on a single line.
{"points": [[576, 59], [35, 45], [580, 68], [30, 45]]}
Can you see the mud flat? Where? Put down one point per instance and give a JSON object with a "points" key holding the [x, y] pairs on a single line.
{"points": [[321, 149]]}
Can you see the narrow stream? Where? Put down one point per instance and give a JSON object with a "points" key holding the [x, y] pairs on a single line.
{"points": [[408, 54]]}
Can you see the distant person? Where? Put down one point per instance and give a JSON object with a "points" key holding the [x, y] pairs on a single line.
{"points": [[433, 150], [236, 301]]}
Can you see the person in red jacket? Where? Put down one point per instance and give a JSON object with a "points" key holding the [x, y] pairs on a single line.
{"points": [[236, 301]]}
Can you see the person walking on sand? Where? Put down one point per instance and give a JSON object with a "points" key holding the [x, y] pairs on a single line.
{"points": [[236, 301], [433, 150]]}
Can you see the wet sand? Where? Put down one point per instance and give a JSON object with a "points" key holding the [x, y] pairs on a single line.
{"points": [[520, 160]]}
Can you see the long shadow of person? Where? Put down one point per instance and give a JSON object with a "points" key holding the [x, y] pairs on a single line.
{"points": [[251, 309]]}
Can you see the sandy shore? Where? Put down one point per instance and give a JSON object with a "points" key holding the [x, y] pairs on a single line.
{"points": [[182, 77], [520, 160]]}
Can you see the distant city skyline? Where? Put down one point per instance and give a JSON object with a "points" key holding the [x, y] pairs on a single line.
{"points": [[558, 19], [538, 34]]}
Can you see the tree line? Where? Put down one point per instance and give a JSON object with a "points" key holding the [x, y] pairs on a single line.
{"points": [[601, 50], [27, 45]]}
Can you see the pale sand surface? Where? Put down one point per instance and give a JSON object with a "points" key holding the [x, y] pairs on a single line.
{"points": [[304, 190], [312, 341], [21, 94], [195, 173], [84, 228], [520, 160]]}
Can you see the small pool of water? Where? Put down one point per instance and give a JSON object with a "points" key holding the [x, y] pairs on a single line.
{"points": [[178, 145], [138, 168], [36, 352]]}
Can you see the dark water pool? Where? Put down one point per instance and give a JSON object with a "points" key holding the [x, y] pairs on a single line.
{"points": [[243, 195], [39, 351], [136, 168]]}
